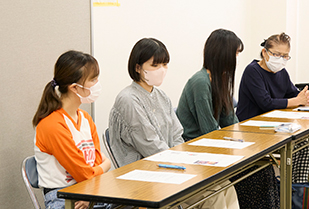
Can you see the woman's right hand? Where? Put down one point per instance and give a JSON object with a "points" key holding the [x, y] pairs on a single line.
{"points": [[303, 96], [81, 205], [301, 99], [106, 164]]}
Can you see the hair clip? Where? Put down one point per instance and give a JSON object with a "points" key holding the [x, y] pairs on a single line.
{"points": [[264, 42], [54, 83]]}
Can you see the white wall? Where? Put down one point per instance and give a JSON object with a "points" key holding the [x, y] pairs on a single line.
{"points": [[302, 42], [183, 26], [262, 19], [297, 27]]}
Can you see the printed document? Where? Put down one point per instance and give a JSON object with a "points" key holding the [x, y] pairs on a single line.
{"points": [[289, 115], [194, 158], [302, 108], [155, 176], [221, 143], [260, 123]]}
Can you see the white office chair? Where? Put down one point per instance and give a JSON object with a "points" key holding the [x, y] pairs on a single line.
{"points": [[30, 177], [106, 142]]}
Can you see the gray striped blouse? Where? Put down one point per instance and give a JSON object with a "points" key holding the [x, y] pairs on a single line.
{"points": [[142, 124]]}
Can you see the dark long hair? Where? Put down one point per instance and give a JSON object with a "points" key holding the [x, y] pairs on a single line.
{"points": [[71, 67], [220, 59]]}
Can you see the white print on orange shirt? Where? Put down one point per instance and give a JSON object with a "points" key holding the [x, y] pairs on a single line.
{"points": [[87, 147]]}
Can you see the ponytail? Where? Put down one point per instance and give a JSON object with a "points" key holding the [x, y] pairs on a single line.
{"points": [[71, 67], [50, 102]]}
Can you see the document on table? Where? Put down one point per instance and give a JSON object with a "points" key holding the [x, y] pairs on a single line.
{"points": [[260, 123], [221, 143], [302, 108], [289, 115], [155, 176], [195, 158], [277, 126]]}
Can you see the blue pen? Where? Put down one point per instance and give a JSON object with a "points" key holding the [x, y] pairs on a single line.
{"points": [[232, 139], [171, 166]]}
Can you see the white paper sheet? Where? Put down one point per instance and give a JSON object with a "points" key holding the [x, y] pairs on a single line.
{"points": [[195, 158], [289, 115], [260, 123], [154, 176], [302, 108], [221, 143]]}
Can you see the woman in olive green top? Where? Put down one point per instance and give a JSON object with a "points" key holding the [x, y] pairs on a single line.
{"points": [[206, 102]]}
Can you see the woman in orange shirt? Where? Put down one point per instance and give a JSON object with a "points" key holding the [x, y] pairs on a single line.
{"points": [[67, 147]]}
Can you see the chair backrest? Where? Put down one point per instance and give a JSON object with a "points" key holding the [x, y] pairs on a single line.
{"points": [[30, 177], [106, 142], [175, 109], [234, 102], [300, 86]]}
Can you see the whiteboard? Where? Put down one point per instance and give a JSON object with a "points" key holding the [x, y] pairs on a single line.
{"points": [[183, 26]]}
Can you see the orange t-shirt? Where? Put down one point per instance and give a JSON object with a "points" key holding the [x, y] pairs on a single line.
{"points": [[66, 152]]}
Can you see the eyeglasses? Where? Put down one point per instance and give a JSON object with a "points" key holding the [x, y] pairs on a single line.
{"points": [[285, 57]]}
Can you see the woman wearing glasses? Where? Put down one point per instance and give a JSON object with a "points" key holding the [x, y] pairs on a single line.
{"points": [[266, 85]]}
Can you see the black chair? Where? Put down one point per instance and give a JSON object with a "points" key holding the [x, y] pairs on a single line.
{"points": [[30, 177], [106, 142], [300, 86]]}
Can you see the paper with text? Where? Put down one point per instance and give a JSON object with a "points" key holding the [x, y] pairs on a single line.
{"points": [[285, 114], [302, 108], [155, 176], [221, 143], [262, 123], [195, 158]]}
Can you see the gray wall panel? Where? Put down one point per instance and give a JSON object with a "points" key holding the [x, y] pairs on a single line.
{"points": [[32, 35]]}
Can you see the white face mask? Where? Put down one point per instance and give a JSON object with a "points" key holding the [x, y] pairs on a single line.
{"points": [[155, 78], [94, 93], [275, 64]]}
